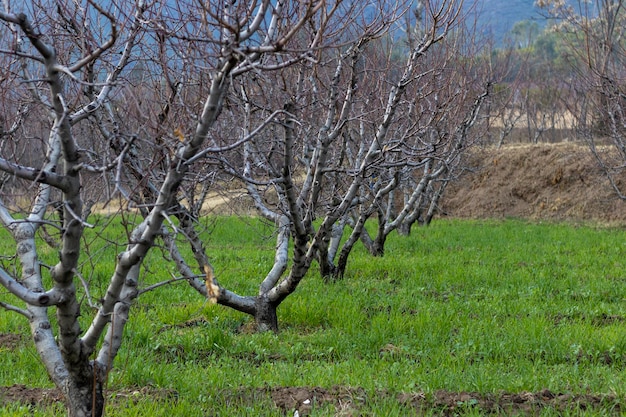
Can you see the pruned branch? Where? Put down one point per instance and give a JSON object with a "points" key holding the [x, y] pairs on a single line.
{"points": [[40, 299]]}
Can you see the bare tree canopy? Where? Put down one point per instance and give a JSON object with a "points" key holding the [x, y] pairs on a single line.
{"points": [[593, 33], [354, 124], [120, 100], [325, 112]]}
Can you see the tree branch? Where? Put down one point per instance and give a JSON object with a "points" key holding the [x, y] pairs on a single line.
{"points": [[17, 310], [46, 299], [32, 174]]}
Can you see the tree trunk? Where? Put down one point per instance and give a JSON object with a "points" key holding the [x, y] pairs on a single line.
{"points": [[265, 315], [342, 263], [434, 203], [376, 246], [379, 245], [85, 398], [381, 236], [328, 270], [404, 229], [326, 265]]}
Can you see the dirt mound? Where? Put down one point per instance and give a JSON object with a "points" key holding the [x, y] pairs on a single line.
{"points": [[547, 181]]}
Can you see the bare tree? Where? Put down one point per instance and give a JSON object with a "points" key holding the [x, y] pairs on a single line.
{"points": [[504, 107], [419, 185], [439, 103], [335, 121], [595, 34], [290, 167], [100, 83]]}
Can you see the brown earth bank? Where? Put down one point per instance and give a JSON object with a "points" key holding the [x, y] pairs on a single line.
{"points": [[549, 181], [557, 182]]}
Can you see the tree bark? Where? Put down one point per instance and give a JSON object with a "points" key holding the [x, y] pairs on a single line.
{"points": [[404, 229], [376, 246], [265, 315], [85, 398]]}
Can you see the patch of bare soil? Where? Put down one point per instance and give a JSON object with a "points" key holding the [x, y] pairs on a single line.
{"points": [[42, 397], [524, 404], [9, 340], [547, 181], [29, 396], [348, 401]]}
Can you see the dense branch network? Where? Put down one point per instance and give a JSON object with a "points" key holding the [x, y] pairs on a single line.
{"points": [[316, 108]]}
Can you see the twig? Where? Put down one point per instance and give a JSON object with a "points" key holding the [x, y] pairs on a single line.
{"points": [[171, 223], [245, 139], [11, 307], [86, 287], [76, 216], [164, 283], [40, 221]]}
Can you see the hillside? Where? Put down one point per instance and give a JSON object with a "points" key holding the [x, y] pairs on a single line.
{"points": [[497, 17], [547, 181]]}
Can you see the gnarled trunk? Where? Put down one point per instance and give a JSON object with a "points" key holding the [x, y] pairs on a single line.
{"points": [[84, 395], [376, 246], [326, 266], [265, 315], [404, 229]]}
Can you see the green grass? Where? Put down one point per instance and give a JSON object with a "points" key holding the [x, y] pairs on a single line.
{"points": [[486, 307]]}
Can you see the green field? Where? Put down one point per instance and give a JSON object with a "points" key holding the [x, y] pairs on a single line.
{"points": [[460, 318]]}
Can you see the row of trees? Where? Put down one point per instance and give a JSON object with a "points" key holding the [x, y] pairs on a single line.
{"points": [[567, 81], [531, 104], [328, 113], [593, 33], [558, 66]]}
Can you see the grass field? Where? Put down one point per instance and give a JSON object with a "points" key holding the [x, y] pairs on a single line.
{"points": [[460, 318]]}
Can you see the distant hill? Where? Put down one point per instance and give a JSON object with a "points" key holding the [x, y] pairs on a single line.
{"points": [[497, 17]]}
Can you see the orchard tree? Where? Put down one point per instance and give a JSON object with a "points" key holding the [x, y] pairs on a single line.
{"points": [[595, 33], [331, 125], [281, 126], [370, 125], [119, 99], [434, 103], [434, 129], [294, 170]]}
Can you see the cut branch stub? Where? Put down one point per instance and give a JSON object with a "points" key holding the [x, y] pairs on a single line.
{"points": [[213, 289]]}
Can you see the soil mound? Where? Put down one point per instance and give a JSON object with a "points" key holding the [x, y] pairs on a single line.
{"points": [[558, 182]]}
